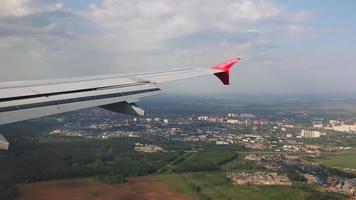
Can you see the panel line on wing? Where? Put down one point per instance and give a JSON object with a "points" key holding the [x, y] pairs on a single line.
{"points": [[31, 83], [74, 100], [70, 92]]}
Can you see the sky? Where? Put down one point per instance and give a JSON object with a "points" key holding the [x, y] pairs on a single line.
{"points": [[286, 47]]}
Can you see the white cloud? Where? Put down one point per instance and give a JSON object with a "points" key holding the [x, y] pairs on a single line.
{"points": [[301, 16], [115, 36], [59, 6], [245, 11], [9, 41], [296, 29], [14, 8], [20, 8], [148, 24], [299, 29]]}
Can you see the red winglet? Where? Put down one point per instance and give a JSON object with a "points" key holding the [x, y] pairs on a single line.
{"points": [[223, 70]]}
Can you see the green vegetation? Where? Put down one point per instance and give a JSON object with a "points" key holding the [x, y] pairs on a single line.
{"points": [[110, 179], [206, 160], [241, 164], [8, 191], [178, 182], [79, 159], [112, 161], [108, 161], [339, 160], [215, 186]]}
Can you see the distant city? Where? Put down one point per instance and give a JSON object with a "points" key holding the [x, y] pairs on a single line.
{"points": [[259, 146], [277, 145], [286, 135]]}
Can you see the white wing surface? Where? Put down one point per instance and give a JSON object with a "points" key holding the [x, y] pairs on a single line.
{"points": [[25, 100]]}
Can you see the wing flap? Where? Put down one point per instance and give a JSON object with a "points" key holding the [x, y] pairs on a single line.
{"points": [[125, 108], [41, 109], [4, 144]]}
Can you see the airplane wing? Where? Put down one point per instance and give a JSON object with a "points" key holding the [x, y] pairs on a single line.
{"points": [[25, 100]]}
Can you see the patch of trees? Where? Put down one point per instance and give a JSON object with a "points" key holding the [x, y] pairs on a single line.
{"points": [[294, 176], [8, 191], [110, 179], [51, 161]]}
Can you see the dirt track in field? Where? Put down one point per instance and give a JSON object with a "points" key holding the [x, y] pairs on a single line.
{"points": [[140, 188]]}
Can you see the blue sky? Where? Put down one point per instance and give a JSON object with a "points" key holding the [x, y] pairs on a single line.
{"points": [[287, 47]]}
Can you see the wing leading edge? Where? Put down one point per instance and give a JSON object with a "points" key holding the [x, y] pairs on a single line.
{"points": [[25, 100]]}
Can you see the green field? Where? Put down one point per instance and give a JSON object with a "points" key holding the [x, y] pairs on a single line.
{"points": [[206, 160], [340, 160], [241, 164], [215, 186]]}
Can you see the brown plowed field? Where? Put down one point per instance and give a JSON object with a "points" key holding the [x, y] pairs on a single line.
{"points": [[140, 188]]}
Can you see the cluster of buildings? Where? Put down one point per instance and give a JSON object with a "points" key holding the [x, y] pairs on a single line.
{"points": [[341, 126], [67, 133], [155, 119], [336, 125], [333, 125], [103, 135], [283, 135], [310, 134], [113, 134], [258, 178], [232, 118], [293, 163], [147, 148], [346, 186]]}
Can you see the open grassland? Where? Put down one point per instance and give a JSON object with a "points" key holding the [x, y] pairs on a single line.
{"points": [[340, 160], [206, 160], [215, 186], [241, 164]]}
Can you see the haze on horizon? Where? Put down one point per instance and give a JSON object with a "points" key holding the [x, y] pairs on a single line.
{"points": [[287, 47]]}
